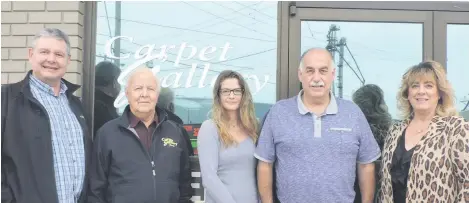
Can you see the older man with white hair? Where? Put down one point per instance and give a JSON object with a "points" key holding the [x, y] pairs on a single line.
{"points": [[45, 140], [141, 156]]}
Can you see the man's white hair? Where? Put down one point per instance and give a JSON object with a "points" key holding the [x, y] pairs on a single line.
{"points": [[301, 66], [142, 69]]}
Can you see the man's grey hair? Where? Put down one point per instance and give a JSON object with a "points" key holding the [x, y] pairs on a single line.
{"points": [[166, 97], [52, 32], [301, 65]]}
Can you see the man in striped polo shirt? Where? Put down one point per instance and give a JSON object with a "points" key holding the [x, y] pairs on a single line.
{"points": [[316, 141]]}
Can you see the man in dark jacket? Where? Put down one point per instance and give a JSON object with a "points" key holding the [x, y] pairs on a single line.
{"points": [[44, 133], [141, 156], [106, 91]]}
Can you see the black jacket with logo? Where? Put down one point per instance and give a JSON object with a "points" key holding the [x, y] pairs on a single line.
{"points": [[173, 117], [124, 171], [27, 157]]}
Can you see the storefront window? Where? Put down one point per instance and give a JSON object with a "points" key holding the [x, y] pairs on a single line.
{"points": [[367, 53], [458, 72], [187, 44]]}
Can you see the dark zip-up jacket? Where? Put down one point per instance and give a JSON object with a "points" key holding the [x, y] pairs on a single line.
{"points": [[27, 157], [124, 171]]}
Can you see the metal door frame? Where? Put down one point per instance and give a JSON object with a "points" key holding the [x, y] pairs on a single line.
{"points": [[441, 21], [351, 15]]}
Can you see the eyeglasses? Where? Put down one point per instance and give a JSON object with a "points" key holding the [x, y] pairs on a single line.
{"points": [[227, 92]]}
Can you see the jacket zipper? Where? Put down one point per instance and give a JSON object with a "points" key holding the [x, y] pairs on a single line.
{"points": [[152, 162], [152, 148], [150, 156], [34, 100], [154, 180]]}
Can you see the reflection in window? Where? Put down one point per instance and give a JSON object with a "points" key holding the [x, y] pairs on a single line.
{"points": [[187, 44], [458, 70], [373, 53], [192, 46]]}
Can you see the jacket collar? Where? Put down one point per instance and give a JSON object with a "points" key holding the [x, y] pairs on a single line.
{"points": [[25, 88], [124, 120], [134, 120], [435, 119]]}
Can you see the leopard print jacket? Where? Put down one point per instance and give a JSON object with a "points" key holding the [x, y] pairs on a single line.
{"points": [[439, 170]]}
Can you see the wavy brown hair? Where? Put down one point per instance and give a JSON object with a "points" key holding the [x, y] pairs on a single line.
{"points": [[370, 99], [246, 114], [427, 69]]}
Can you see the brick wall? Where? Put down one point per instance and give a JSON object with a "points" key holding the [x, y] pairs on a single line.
{"points": [[22, 20]]}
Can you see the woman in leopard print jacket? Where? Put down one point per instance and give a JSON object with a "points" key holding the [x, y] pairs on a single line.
{"points": [[426, 156]]}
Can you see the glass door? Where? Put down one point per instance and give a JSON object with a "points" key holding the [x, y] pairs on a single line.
{"points": [[451, 48], [369, 46]]}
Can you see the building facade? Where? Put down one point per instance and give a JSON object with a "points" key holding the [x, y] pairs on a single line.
{"points": [[188, 43], [22, 20]]}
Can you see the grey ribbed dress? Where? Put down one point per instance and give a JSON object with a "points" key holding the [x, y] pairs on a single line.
{"points": [[228, 174]]}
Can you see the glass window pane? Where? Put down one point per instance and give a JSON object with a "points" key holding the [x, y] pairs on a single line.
{"points": [[458, 70], [200, 40], [373, 53]]}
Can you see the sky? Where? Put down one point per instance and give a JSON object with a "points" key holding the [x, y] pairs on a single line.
{"points": [[383, 51]]}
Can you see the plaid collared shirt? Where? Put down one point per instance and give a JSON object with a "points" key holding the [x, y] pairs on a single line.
{"points": [[67, 140]]}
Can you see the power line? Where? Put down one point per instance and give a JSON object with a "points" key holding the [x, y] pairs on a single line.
{"points": [[229, 31], [221, 5], [364, 46], [242, 67], [196, 25], [310, 31], [361, 80], [355, 62], [359, 44], [227, 19], [257, 53], [108, 24], [179, 28], [368, 48], [236, 66], [256, 11], [107, 19]]}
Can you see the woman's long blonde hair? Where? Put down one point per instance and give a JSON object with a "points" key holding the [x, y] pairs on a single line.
{"points": [[246, 112], [427, 69]]}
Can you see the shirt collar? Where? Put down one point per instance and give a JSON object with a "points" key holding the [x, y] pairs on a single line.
{"points": [[332, 108], [134, 120], [45, 87]]}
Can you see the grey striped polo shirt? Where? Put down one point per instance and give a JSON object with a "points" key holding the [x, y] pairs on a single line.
{"points": [[316, 156]]}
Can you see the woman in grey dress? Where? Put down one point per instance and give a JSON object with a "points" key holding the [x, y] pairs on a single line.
{"points": [[226, 143]]}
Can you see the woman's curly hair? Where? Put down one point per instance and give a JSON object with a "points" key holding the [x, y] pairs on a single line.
{"points": [[370, 99]]}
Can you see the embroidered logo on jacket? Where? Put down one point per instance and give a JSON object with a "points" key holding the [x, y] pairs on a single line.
{"points": [[169, 142]]}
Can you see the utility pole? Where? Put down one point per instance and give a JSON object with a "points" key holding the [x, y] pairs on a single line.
{"points": [[117, 44], [332, 45], [340, 76]]}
